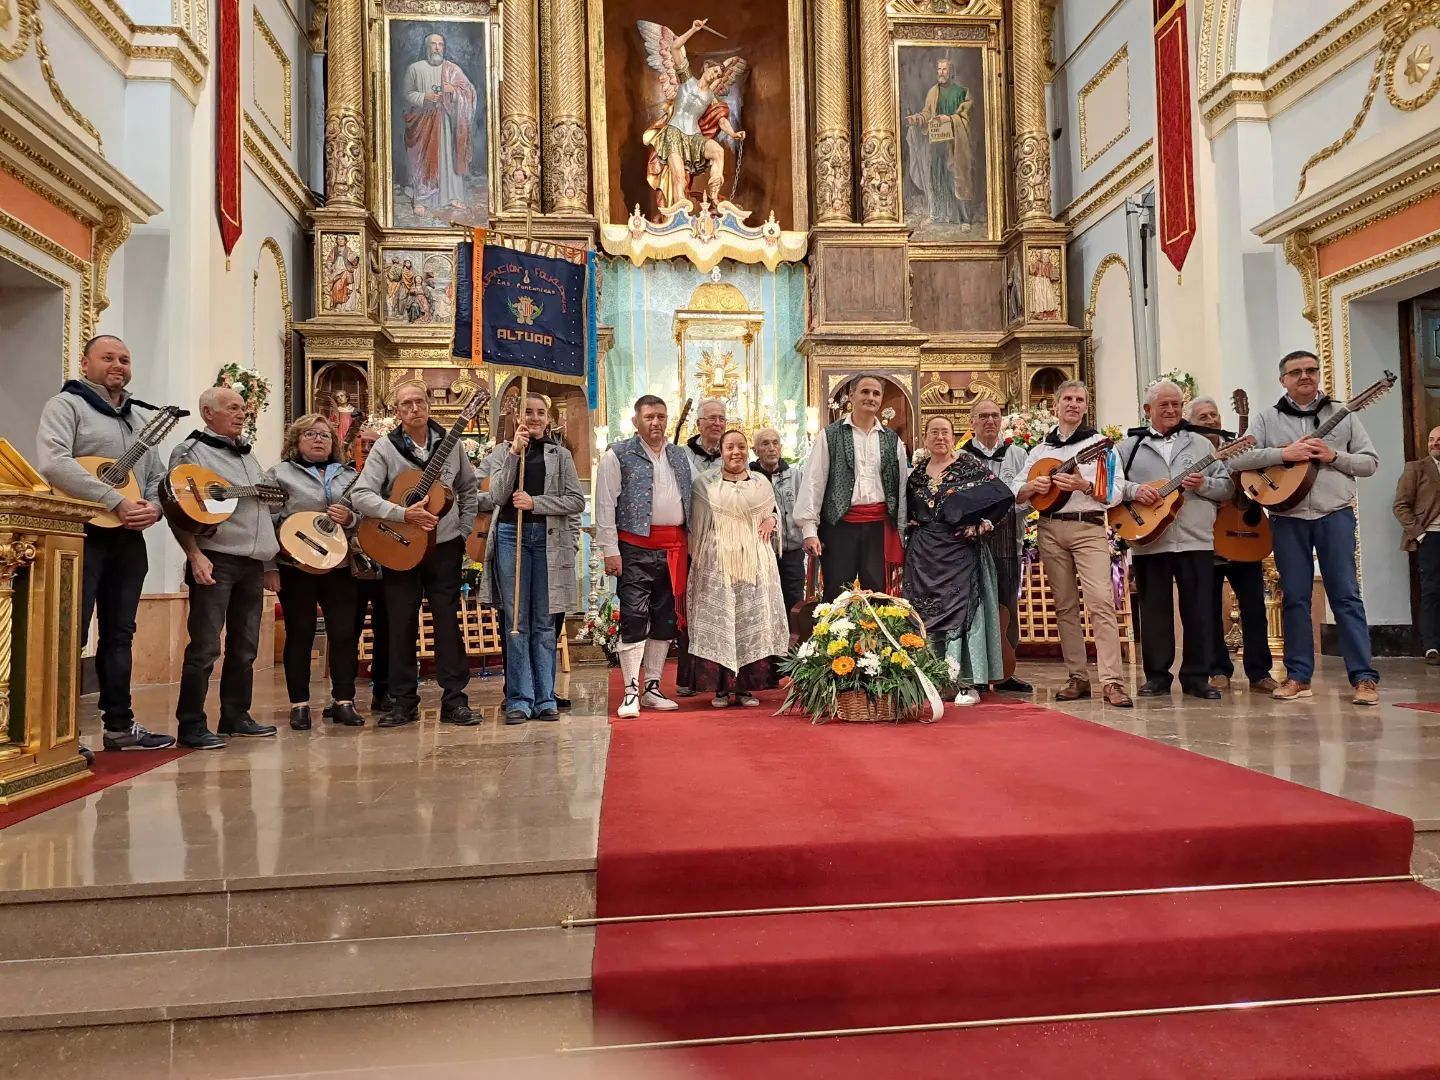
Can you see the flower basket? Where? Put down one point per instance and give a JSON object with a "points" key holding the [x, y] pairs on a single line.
{"points": [[863, 662]]}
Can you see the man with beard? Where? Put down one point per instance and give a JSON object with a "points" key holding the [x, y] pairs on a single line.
{"points": [[439, 129]]}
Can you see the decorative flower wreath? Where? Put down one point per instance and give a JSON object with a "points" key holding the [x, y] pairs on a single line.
{"points": [[253, 388]]}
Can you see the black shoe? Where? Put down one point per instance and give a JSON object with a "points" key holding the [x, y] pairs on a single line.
{"points": [[1203, 692], [204, 739], [515, 716], [1154, 688], [247, 728], [548, 714], [1013, 685], [136, 737], [684, 691], [382, 704], [562, 703], [399, 717], [460, 716], [300, 717], [344, 714]]}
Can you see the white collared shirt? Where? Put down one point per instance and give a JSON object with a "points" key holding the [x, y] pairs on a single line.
{"points": [[868, 486]]}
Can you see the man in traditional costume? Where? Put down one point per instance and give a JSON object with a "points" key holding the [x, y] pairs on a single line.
{"points": [[939, 140], [852, 500], [439, 128], [642, 505]]}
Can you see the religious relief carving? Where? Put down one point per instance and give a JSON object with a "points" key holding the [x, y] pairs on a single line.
{"points": [[520, 162], [1032, 175], [832, 177], [344, 159], [567, 163], [878, 175], [418, 287], [975, 9], [341, 279], [1042, 276]]}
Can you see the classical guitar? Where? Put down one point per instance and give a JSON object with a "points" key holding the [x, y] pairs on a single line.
{"points": [[480, 532], [399, 545], [314, 541], [1284, 486], [1055, 498], [1139, 524], [197, 500], [1242, 528], [119, 473]]}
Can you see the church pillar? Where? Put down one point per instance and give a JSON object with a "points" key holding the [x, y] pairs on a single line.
{"points": [[562, 104], [1032, 142], [879, 172], [519, 111], [345, 106], [833, 183]]}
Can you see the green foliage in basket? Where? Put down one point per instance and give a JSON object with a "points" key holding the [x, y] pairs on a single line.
{"points": [[849, 651]]}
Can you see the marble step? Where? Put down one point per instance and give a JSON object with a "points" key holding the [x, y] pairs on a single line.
{"points": [[270, 1009]]}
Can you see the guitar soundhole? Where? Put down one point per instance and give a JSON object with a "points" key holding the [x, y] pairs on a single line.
{"points": [[110, 476], [412, 498], [1253, 516], [325, 525], [216, 492]]}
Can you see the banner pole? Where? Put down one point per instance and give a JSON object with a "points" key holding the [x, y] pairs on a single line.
{"points": [[519, 514]]}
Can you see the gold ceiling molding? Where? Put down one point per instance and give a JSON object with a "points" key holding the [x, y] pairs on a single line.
{"points": [[1415, 65], [112, 231], [269, 162], [282, 124], [929, 9], [1123, 175], [32, 29], [182, 56], [46, 192], [271, 246], [1302, 255], [1122, 57]]}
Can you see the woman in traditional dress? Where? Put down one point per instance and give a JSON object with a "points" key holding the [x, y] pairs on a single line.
{"points": [[949, 577], [735, 608]]}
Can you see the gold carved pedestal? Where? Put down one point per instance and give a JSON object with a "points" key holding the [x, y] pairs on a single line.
{"points": [[42, 541]]}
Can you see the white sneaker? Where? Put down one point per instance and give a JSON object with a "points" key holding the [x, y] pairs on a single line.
{"points": [[630, 703], [968, 695], [652, 698]]}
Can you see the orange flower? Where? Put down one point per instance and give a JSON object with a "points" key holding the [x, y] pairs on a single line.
{"points": [[912, 641], [842, 665], [867, 624]]}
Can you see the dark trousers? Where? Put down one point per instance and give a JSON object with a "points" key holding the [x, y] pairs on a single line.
{"points": [[1156, 577], [647, 601], [371, 593], [115, 568], [436, 579], [1428, 558], [1007, 584], [1247, 579], [336, 595], [232, 604], [792, 577], [1330, 540], [848, 551]]}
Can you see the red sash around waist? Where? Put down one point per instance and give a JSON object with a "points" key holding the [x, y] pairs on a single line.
{"points": [[672, 540], [868, 514]]}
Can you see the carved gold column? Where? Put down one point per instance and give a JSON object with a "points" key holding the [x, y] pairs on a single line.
{"points": [[833, 202], [520, 111], [567, 152], [879, 173], [1032, 142], [345, 105], [16, 552]]}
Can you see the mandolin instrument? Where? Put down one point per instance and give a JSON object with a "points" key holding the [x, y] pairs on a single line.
{"points": [[1056, 498], [1284, 486], [314, 541], [196, 500], [119, 473], [1139, 524], [1242, 528]]}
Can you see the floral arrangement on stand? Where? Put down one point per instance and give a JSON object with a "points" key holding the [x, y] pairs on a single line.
{"points": [[477, 449], [1026, 427], [253, 388], [863, 661], [602, 627]]}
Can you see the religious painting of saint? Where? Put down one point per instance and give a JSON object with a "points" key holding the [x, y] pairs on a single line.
{"points": [[944, 157], [1043, 275], [341, 274], [438, 140], [418, 287]]}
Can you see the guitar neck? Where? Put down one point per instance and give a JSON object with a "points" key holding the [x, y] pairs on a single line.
{"points": [[1330, 425], [436, 463], [151, 436], [1194, 470]]}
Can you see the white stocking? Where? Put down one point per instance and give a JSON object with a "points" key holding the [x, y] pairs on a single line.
{"points": [[630, 654], [655, 653]]}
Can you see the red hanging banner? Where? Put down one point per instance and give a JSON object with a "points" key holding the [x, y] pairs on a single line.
{"points": [[1175, 158], [227, 125]]}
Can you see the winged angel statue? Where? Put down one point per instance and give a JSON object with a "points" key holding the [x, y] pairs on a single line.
{"points": [[698, 118]]}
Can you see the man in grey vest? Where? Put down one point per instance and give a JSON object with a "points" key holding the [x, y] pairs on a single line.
{"points": [[1005, 460], [853, 496], [95, 416], [227, 573], [642, 505]]}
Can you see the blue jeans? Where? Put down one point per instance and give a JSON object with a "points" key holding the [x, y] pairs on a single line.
{"points": [[529, 655], [1331, 540]]}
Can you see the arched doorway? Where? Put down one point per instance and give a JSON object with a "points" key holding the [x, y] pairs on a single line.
{"points": [[894, 400]]}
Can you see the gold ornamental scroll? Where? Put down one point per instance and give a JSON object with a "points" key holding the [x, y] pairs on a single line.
{"points": [[345, 105], [562, 104], [879, 170], [520, 110], [1029, 57], [833, 176]]}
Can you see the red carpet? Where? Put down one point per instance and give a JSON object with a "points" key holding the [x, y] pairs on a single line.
{"points": [[1420, 706], [111, 767]]}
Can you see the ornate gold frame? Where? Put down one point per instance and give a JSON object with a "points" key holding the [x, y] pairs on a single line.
{"points": [[283, 126], [1087, 159]]}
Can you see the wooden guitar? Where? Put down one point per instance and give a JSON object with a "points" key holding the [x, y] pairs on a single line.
{"points": [[480, 532], [1139, 524], [399, 545], [1055, 498], [1284, 486], [119, 473], [1242, 528], [314, 541], [197, 500], [684, 415]]}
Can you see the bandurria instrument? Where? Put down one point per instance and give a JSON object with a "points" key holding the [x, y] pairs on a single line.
{"points": [[1242, 528], [314, 540], [1139, 524], [1056, 498], [1284, 486], [399, 545], [119, 472], [197, 500]]}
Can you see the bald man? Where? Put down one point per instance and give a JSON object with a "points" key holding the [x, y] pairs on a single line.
{"points": [[785, 479], [1417, 506]]}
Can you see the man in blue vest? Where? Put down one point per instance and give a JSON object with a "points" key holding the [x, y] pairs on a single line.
{"points": [[853, 495], [642, 505]]}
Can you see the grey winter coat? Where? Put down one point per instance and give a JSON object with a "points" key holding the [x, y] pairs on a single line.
{"points": [[560, 506]]}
